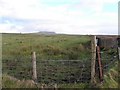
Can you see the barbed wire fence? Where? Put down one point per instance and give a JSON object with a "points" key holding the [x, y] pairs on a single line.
{"points": [[53, 73]]}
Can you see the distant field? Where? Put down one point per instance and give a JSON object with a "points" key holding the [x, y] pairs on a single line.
{"points": [[47, 47]]}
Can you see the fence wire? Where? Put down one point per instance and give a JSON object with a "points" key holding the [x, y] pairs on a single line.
{"points": [[53, 71], [108, 59], [59, 71], [63, 71]]}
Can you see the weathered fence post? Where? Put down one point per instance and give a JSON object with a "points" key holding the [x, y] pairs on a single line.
{"points": [[34, 66], [55, 86], [93, 47]]}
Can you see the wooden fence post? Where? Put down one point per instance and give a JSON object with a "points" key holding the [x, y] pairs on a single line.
{"points": [[55, 86], [34, 66], [93, 61]]}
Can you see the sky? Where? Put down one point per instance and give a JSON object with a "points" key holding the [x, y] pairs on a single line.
{"points": [[60, 16]]}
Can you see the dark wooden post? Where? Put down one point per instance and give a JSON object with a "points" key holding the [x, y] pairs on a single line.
{"points": [[34, 66], [93, 61], [100, 64]]}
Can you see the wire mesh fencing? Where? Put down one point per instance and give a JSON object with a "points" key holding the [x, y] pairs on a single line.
{"points": [[59, 71], [52, 71], [63, 71], [18, 67], [109, 58]]}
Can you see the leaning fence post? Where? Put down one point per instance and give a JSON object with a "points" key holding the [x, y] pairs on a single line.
{"points": [[34, 66], [93, 47]]}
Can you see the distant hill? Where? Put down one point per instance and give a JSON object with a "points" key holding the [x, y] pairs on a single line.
{"points": [[46, 33]]}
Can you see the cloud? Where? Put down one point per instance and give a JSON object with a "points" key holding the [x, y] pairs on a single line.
{"points": [[72, 17]]}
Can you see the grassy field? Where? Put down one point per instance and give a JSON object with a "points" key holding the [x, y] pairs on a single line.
{"points": [[46, 47], [16, 57]]}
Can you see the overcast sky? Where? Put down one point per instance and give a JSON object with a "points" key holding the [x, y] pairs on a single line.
{"points": [[60, 16]]}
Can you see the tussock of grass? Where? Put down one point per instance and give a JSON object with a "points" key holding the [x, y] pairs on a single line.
{"points": [[11, 82]]}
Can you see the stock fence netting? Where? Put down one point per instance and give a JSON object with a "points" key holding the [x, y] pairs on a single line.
{"points": [[59, 71], [109, 58], [18, 67], [50, 71], [63, 71]]}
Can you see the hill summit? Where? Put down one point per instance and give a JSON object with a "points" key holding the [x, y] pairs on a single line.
{"points": [[46, 33]]}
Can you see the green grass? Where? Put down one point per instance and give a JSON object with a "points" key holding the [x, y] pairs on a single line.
{"points": [[11, 82], [111, 78], [110, 81], [46, 47]]}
